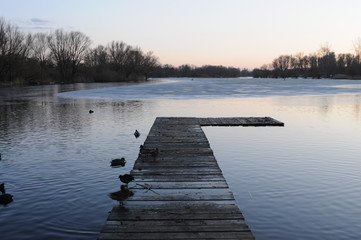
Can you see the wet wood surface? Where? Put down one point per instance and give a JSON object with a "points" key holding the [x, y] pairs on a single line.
{"points": [[181, 193]]}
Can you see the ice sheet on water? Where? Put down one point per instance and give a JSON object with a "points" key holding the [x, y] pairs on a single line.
{"points": [[213, 88]]}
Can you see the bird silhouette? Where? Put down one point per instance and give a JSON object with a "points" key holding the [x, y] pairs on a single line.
{"points": [[126, 178], [6, 199], [121, 195], [149, 151], [118, 162], [136, 133], [91, 111], [2, 188]]}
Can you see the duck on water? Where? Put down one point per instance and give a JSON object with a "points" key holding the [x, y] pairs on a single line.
{"points": [[118, 162], [5, 198]]}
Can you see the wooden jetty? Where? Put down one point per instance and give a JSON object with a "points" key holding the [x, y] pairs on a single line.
{"points": [[181, 193]]}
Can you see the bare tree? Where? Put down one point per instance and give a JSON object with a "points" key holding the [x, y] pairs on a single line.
{"points": [[324, 50], [40, 51], [149, 62], [97, 56], [326, 60], [281, 65], [357, 49], [13, 51], [118, 52], [357, 59], [3, 49], [133, 62], [68, 51]]}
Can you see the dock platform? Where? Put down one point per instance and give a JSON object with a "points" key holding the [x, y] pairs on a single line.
{"points": [[181, 193]]}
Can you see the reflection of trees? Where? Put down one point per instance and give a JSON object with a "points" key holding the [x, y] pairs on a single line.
{"points": [[22, 118], [326, 105]]}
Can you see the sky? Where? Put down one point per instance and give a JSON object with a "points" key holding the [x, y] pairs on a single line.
{"points": [[238, 33]]}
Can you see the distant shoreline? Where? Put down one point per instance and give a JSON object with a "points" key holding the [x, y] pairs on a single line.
{"points": [[347, 77]]}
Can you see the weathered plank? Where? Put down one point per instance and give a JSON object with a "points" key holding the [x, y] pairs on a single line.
{"points": [[177, 170], [217, 225], [180, 193], [240, 121], [178, 212], [246, 235], [150, 164], [180, 185], [178, 178]]}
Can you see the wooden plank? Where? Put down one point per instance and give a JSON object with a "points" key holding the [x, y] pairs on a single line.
{"points": [[162, 203], [213, 121], [182, 195], [195, 158], [150, 164], [204, 122], [180, 185], [218, 225], [179, 178], [179, 236], [184, 207], [171, 211], [163, 146], [176, 170], [143, 216]]}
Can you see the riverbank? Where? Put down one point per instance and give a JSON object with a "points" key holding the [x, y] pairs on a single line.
{"points": [[348, 77], [22, 82]]}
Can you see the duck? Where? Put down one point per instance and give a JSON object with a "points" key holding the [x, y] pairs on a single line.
{"points": [[151, 151], [136, 133], [2, 188], [126, 178], [118, 162], [91, 111], [6, 198], [121, 195]]}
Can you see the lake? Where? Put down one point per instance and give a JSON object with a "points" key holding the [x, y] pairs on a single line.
{"points": [[301, 181]]}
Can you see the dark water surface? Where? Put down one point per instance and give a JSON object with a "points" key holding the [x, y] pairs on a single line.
{"points": [[297, 182]]}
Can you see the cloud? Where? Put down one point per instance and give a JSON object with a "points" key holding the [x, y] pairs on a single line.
{"points": [[38, 25], [35, 24], [39, 21]]}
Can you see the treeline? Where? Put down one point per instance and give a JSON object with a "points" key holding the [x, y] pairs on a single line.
{"points": [[206, 71], [67, 57], [322, 64]]}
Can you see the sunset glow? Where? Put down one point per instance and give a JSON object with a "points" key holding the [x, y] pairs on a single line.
{"points": [[238, 33]]}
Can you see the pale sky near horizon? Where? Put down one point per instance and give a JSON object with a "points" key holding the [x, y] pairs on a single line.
{"points": [[239, 33]]}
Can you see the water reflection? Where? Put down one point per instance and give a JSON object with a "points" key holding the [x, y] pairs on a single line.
{"points": [[290, 182]]}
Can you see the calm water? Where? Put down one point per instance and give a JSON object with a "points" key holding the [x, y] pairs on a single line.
{"points": [[297, 182]]}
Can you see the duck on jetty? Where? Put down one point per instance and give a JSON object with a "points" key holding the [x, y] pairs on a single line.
{"points": [[5, 198], [136, 133], [118, 162], [121, 195], [126, 178], [149, 151]]}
